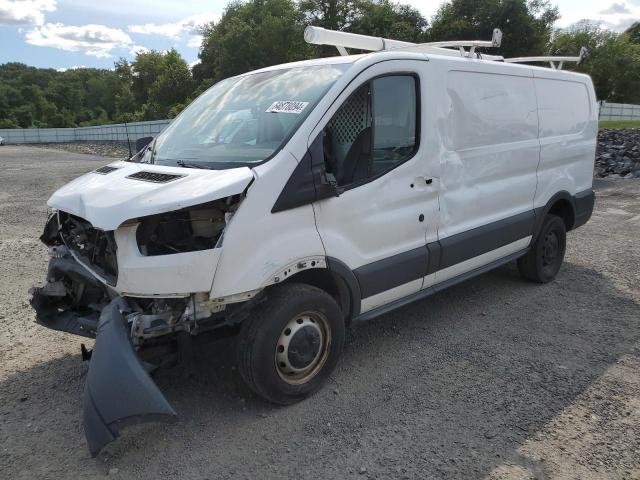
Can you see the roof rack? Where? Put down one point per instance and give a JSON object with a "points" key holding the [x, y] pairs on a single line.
{"points": [[344, 40], [555, 63]]}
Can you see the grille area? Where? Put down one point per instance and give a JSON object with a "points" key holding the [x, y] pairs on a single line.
{"points": [[104, 170], [96, 248], [154, 177]]}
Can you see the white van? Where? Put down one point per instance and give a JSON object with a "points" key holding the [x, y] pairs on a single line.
{"points": [[287, 202]]}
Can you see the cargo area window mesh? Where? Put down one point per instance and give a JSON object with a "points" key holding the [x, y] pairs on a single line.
{"points": [[352, 117]]}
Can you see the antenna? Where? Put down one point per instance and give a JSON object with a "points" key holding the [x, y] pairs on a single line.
{"points": [[126, 130]]}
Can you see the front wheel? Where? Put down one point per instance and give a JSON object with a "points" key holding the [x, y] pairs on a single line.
{"points": [[542, 263], [289, 347]]}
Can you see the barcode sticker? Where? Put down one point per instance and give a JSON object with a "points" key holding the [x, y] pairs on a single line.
{"points": [[287, 106]]}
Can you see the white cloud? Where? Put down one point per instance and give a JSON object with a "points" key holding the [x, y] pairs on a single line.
{"points": [[616, 17], [138, 49], [94, 40], [615, 9], [195, 41], [194, 63], [25, 12], [620, 25], [189, 26]]}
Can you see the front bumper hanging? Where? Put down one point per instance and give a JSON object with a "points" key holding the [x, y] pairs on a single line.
{"points": [[118, 391]]}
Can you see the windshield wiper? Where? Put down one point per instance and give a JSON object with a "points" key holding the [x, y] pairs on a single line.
{"points": [[184, 164]]}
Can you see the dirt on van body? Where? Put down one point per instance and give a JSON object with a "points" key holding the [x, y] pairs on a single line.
{"points": [[494, 378]]}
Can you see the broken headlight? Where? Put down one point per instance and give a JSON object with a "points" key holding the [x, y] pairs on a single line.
{"points": [[187, 230]]}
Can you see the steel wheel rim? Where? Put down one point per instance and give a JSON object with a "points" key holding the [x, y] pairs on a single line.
{"points": [[550, 249], [296, 365]]}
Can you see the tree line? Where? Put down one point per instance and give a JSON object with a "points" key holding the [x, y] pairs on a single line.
{"points": [[257, 33]]}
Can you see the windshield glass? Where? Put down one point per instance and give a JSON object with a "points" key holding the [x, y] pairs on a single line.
{"points": [[243, 120]]}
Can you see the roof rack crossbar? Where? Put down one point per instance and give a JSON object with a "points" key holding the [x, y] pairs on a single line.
{"points": [[344, 40], [496, 41], [556, 62]]}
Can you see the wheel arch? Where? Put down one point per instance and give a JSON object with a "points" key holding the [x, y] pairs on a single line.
{"points": [[338, 281], [561, 204]]}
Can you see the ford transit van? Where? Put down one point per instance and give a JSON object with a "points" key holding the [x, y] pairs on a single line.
{"points": [[287, 202]]}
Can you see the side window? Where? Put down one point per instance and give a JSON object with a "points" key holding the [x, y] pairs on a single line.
{"points": [[374, 130]]}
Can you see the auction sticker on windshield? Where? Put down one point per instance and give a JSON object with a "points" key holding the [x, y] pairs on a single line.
{"points": [[287, 106]]}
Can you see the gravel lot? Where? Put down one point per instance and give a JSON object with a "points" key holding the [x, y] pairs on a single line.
{"points": [[494, 378]]}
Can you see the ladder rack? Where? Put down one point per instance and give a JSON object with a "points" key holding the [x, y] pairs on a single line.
{"points": [[554, 62], [344, 40]]}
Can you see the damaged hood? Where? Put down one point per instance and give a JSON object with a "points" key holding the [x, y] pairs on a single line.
{"points": [[108, 196]]}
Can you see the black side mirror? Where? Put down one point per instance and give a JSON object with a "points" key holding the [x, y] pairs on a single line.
{"points": [[309, 181], [142, 142]]}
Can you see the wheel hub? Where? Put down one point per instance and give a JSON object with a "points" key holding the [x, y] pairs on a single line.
{"points": [[550, 248], [302, 348]]}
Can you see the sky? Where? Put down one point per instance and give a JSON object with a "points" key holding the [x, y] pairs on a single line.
{"points": [[65, 34]]}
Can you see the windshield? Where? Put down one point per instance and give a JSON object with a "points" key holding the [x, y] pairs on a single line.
{"points": [[244, 120]]}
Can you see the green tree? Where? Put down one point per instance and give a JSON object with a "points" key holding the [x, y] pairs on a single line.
{"points": [[389, 20], [331, 14], [172, 87], [633, 32], [526, 25], [613, 61], [146, 69], [251, 35]]}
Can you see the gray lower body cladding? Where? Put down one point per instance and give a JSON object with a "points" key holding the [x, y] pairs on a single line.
{"points": [[118, 391]]}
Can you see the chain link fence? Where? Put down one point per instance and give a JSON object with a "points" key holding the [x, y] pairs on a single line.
{"points": [[619, 111], [120, 133]]}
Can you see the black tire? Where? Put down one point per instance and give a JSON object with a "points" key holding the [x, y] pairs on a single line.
{"points": [[266, 367], [542, 263]]}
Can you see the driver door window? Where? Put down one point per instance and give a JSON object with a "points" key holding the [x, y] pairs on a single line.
{"points": [[375, 130]]}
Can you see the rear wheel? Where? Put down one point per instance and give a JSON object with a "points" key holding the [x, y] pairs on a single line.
{"points": [[288, 348], [542, 263]]}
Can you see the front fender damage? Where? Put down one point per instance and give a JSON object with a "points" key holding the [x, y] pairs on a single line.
{"points": [[118, 391]]}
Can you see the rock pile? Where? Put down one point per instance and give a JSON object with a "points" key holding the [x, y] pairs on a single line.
{"points": [[618, 153]]}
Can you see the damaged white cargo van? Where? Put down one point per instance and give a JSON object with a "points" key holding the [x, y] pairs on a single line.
{"points": [[286, 202]]}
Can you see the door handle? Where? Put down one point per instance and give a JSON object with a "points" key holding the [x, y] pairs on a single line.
{"points": [[421, 182]]}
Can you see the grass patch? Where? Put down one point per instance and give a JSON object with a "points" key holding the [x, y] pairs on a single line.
{"points": [[619, 123]]}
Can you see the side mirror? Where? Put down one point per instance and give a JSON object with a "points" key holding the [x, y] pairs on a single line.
{"points": [[309, 181], [142, 142]]}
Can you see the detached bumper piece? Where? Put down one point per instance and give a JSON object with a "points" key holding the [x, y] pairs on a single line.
{"points": [[119, 391], [71, 300]]}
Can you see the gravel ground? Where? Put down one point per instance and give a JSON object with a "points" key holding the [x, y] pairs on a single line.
{"points": [[106, 149], [495, 378]]}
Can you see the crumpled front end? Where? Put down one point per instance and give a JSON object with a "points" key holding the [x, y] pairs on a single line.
{"points": [[134, 335]]}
